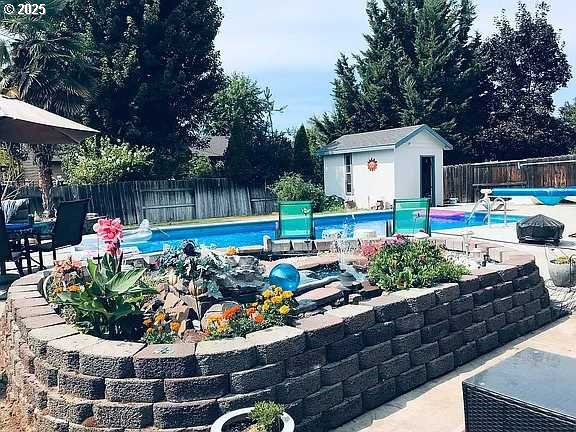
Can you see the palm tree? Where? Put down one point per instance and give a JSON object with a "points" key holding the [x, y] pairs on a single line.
{"points": [[47, 65]]}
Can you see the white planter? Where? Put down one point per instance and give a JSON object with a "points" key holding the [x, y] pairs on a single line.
{"points": [[241, 414], [563, 275]]}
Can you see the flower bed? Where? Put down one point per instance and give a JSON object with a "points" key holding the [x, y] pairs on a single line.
{"points": [[326, 369]]}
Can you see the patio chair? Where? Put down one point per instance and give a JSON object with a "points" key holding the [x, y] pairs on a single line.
{"points": [[6, 251], [295, 220], [68, 228], [411, 216]]}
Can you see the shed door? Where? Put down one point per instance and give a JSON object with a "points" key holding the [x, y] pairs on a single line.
{"points": [[427, 178]]}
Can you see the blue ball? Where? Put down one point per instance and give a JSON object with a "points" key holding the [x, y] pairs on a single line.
{"points": [[285, 276]]}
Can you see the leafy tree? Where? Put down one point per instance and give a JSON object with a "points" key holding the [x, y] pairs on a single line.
{"points": [[48, 65], [200, 166], [237, 165], [301, 157], [420, 66], [526, 65], [568, 113], [106, 162], [158, 68]]}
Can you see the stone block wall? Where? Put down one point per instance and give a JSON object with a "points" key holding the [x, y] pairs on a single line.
{"points": [[326, 370]]}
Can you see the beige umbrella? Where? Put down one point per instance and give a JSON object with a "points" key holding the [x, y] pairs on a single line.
{"points": [[24, 123]]}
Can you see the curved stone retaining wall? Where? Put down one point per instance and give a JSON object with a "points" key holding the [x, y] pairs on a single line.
{"points": [[327, 370]]}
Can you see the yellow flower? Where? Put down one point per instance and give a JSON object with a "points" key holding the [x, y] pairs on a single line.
{"points": [[160, 316], [222, 328], [73, 288], [277, 299], [284, 309], [231, 250], [267, 294], [287, 294], [58, 290], [174, 326], [265, 306], [277, 290]]}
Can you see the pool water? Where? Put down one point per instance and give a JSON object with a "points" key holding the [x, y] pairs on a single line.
{"points": [[251, 233]]}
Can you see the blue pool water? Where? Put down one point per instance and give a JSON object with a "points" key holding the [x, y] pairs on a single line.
{"points": [[251, 233]]}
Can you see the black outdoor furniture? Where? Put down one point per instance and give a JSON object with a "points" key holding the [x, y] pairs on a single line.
{"points": [[539, 229], [67, 230], [7, 252], [532, 391]]}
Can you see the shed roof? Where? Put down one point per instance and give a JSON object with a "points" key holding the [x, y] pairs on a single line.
{"points": [[386, 138], [216, 147]]}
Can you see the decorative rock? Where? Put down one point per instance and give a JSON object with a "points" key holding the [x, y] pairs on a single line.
{"points": [[424, 354], [543, 317], [343, 412], [504, 289], [165, 361], [324, 399], [515, 314], [508, 333], [483, 296], [323, 296], [409, 323], [357, 383], [483, 312], [356, 317], [475, 331], [526, 325], [411, 379], [45, 373], [461, 321], [502, 305], [225, 356], [462, 304], [379, 394], [70, 409], [496, 323], [532, 308], [440, 366], [406, 343], [435, 332], [469, 284], [438, 313], [46, 423], [134, 390], [418, 299], [488, 343], [237, 401], [451, 342], [447, 292], [465, 353], [257, 378], [109, 359], [278, 343]]}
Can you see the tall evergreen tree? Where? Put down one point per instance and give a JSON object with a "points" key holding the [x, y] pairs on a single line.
{"points": [[158, 67], [301, 159], [527, 66], [420, 66], [236, 163]]}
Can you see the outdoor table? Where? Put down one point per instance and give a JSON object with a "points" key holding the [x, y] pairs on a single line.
{"points": [[530, 391], [25, 231]]}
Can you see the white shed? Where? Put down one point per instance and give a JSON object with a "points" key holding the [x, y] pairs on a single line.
{"points": [[382, 165]]}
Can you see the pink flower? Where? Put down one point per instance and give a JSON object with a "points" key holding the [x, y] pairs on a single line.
{"points": [[109, 230], [113, 248]]}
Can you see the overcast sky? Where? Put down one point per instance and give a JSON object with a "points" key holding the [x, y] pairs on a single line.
{"points": [[291, 46]]}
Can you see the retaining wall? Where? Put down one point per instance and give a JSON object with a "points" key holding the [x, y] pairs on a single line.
{"points": [[327, 370]]}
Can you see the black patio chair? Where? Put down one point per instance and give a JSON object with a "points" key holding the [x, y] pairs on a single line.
{"points": [[67, 230], [6, 251]]}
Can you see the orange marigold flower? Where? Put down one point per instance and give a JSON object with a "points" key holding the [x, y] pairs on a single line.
{"points": [[147, 322], [258, 319], [250, 311], [229, 313], [174, 326], [73, 288]]}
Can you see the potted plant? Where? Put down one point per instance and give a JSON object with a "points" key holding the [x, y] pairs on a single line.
{"points": [[562, 270], [264, 416]]}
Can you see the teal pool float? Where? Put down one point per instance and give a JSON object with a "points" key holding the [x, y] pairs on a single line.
{"points": [[547, 196]]}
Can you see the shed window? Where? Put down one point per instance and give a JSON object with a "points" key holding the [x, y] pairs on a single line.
{"points": [[348, 173]]}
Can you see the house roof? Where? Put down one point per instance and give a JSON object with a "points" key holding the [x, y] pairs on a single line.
{"points": [[381, 139], [216, 147]]}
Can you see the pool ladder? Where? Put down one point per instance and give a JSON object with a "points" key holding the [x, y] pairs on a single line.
{"points": [[489, 204]]}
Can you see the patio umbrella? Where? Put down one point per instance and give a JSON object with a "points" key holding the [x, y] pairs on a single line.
{"points": [[24, 123]]}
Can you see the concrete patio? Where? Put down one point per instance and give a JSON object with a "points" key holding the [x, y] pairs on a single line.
{"points": [[437, 406]]}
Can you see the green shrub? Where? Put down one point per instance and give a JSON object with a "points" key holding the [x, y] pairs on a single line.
{"points": [[293, 187], [402, 264], [200, 166], [107, 163], [267, 416]]}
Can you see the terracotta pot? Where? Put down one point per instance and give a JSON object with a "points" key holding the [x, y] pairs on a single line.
{"points": [[241, 414]]}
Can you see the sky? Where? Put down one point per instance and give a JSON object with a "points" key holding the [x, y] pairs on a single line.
{"points": [[291, 46]]}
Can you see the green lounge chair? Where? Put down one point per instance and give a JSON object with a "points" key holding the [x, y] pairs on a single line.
{"points": [[295, 220], [411, 216]]}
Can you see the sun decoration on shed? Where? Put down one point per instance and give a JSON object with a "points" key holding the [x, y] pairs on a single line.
{"points": [[372, 164]]}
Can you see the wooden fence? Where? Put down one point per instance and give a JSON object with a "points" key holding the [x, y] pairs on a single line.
{"points": [[166, 200], [465, 181]]}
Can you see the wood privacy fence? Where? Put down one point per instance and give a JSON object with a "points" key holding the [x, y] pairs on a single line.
{"points": [[465, 181], [166, 200]]}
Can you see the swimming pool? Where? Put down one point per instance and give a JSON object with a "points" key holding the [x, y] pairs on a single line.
{"points": [[251, 233]]}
